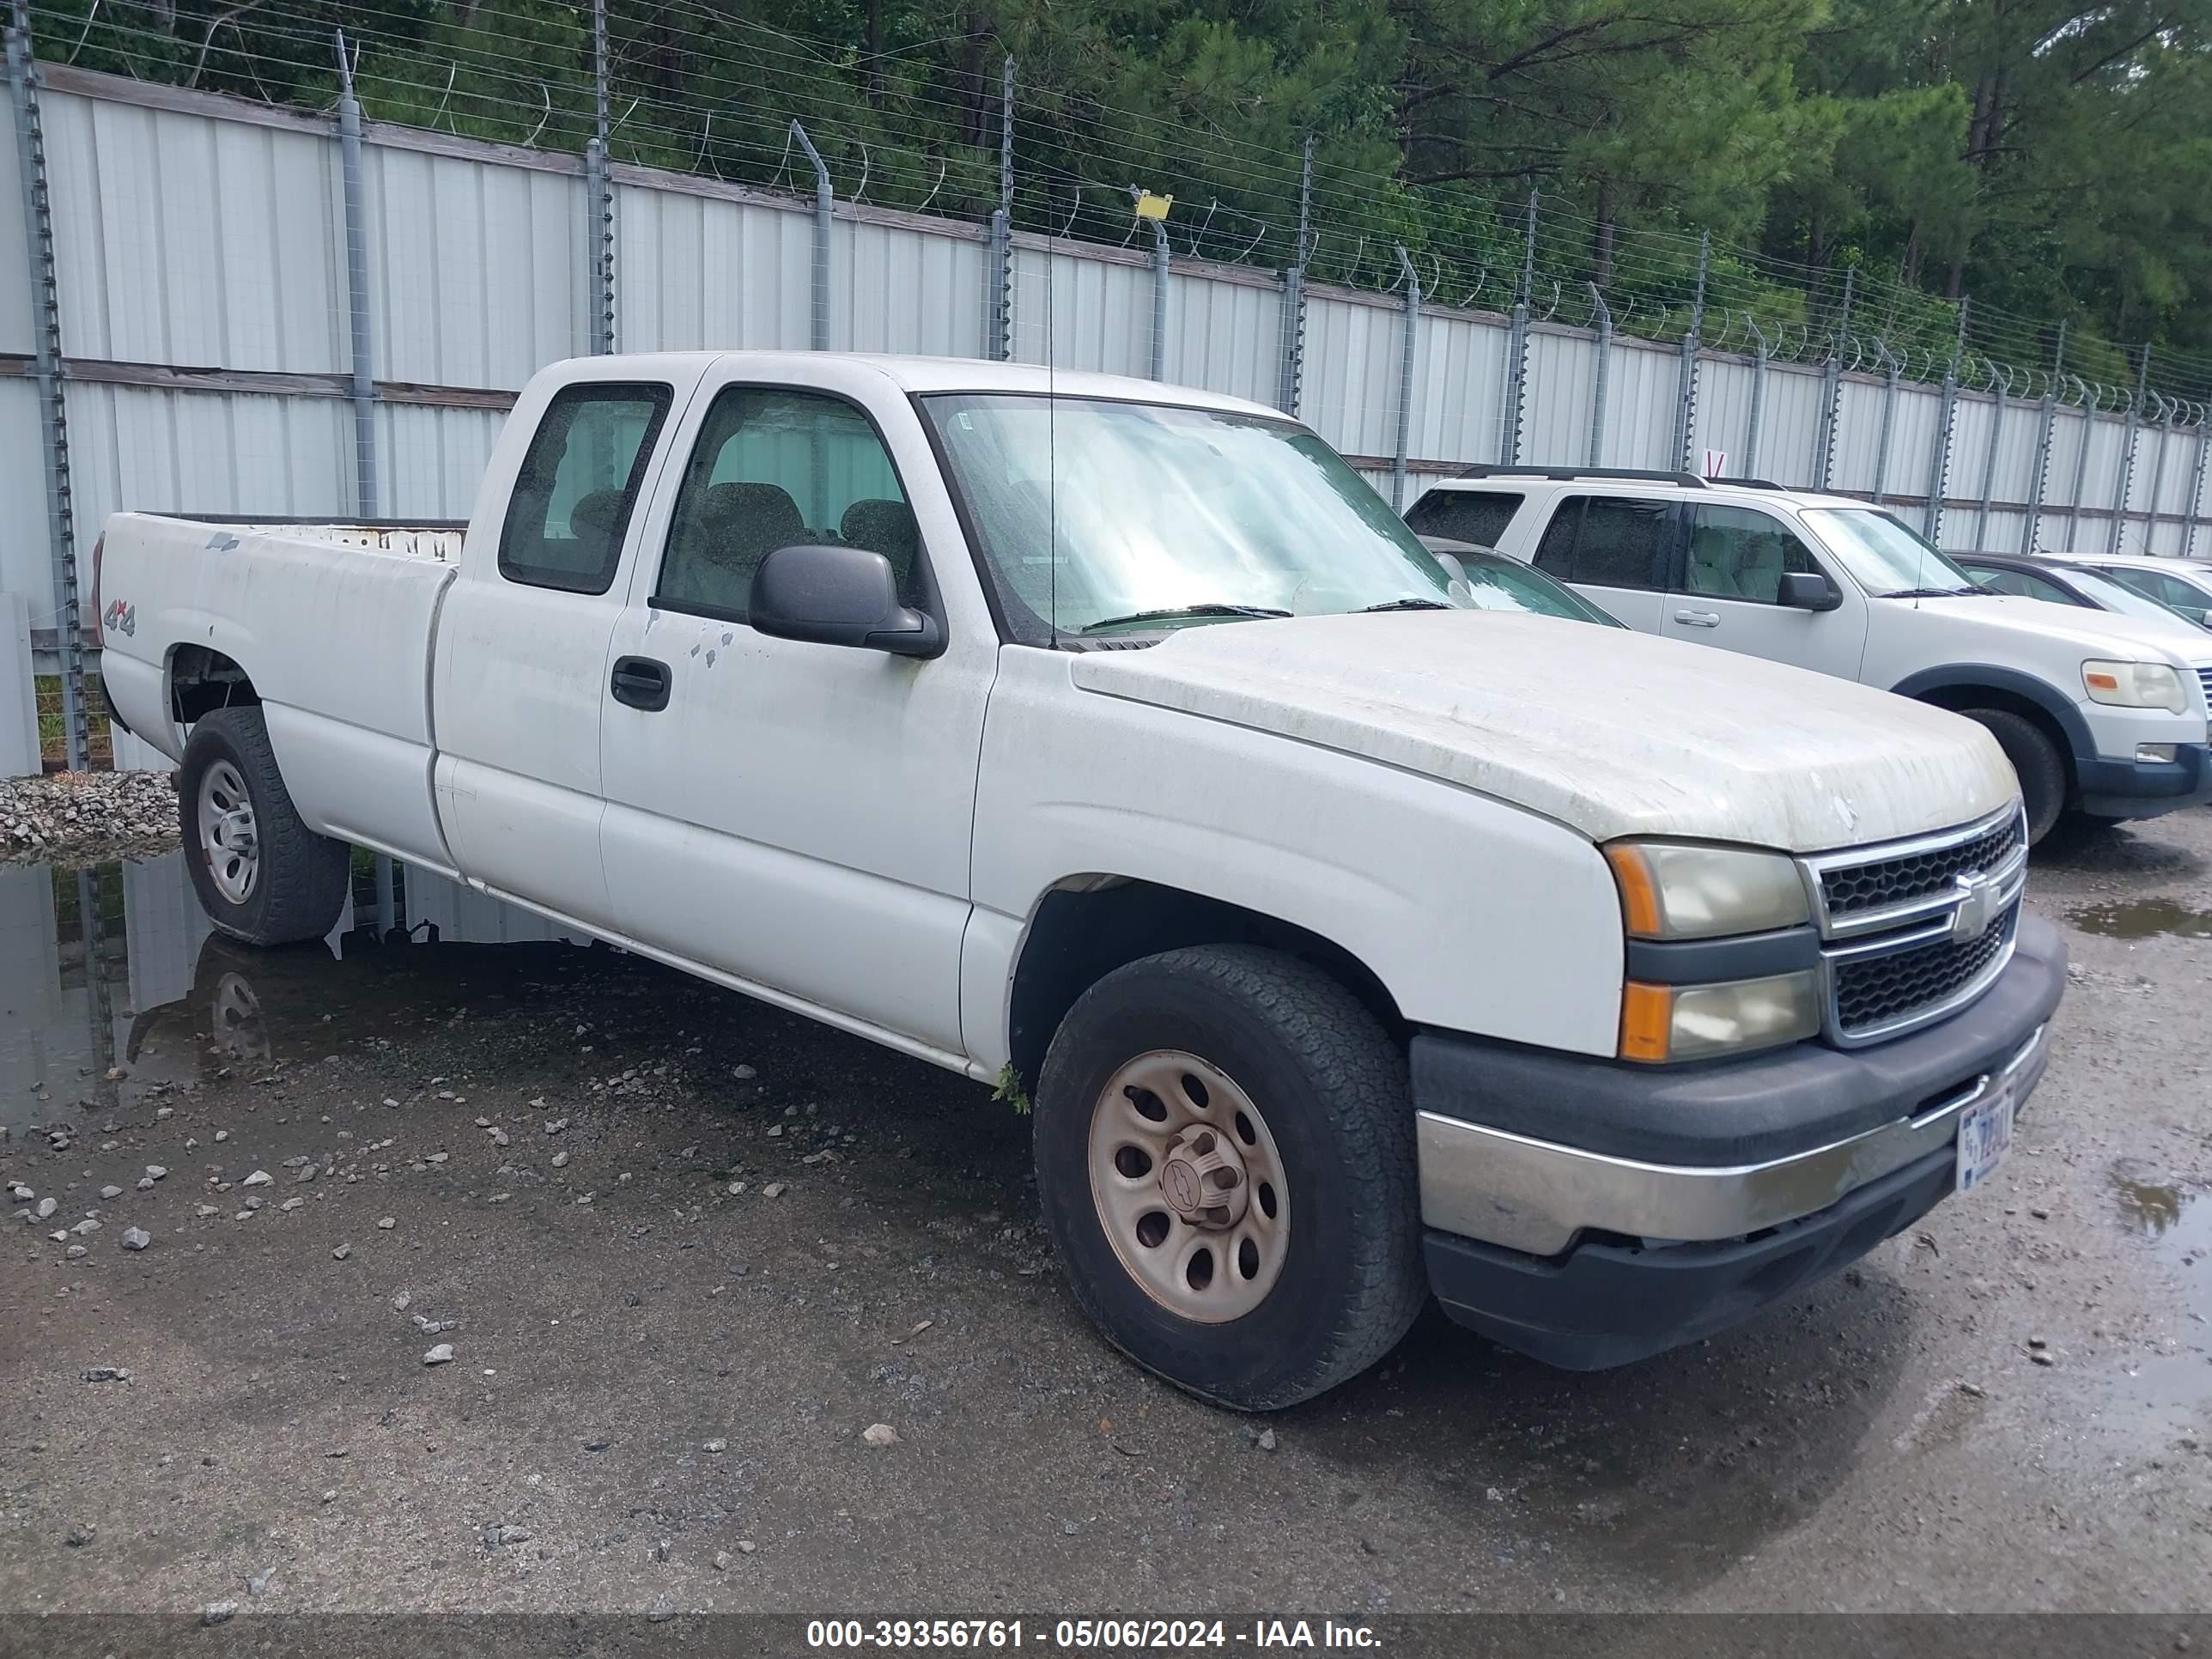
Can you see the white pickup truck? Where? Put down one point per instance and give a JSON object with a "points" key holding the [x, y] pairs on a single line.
{"points": [[1116, 743]]}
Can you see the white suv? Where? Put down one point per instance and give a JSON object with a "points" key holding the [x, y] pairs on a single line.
{"points": [[2099, 715]]}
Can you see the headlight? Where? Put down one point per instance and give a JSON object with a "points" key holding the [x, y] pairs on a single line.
{"points": [[1663, 1023], [2136, 685], [1679, 889]]}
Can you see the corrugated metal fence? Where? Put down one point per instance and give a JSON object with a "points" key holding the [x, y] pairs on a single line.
{"points": [[206, 327]]}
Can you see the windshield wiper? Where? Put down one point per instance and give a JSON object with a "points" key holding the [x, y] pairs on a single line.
{"points": [[1173, 612], [1408, 604], [1939, 593]]}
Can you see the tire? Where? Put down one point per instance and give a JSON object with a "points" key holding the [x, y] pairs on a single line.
{"points": [[1344, 1278], [2036, 760], [294, 885]]}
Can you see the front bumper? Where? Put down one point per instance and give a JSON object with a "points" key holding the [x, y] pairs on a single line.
{"points": [[1591, 1213], [2144, 789]]}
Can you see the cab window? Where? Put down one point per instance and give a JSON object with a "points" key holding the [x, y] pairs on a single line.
{"points": [[772, 469], [578, 484], [1739, 553]]}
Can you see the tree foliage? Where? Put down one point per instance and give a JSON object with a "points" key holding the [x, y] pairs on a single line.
{"points": [[2043, 160]]}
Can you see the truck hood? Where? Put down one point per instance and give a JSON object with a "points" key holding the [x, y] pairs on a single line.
{"points": [[1611, 731], [2094, 633]]}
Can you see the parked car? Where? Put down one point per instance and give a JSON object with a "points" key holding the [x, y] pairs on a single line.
{"points": [[2058, 582], [2184, 584], [2098, 716], [1116, 743], [1494, 582]]}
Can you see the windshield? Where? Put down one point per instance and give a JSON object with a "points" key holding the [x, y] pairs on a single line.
{"points": [[1101, 517], [1884, 557], [2111, 596], [1497, 582]]}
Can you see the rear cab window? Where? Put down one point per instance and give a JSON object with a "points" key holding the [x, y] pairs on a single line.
{"points": [[1475, 516], [578, 484]]}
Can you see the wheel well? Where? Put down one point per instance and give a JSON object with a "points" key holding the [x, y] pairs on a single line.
{"points": [[1085, 929], [1958, 698], [203, 680]]}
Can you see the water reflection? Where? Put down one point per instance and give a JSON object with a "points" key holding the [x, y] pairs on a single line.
{"points": [[116, 966]]}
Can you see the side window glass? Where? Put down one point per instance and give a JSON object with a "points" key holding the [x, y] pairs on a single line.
{"points": [[2036, 588], [1996, 578], [1555, 553], [2177, 593], [1464, 515], [1620, 542], [780, 468], [572, 501], [1737, 553]]}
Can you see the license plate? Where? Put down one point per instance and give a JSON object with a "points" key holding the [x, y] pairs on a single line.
{"points": [[1984, 1135]]}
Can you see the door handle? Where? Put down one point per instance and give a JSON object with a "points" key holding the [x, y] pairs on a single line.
{"points": [[641, 683], [1698, 618]]}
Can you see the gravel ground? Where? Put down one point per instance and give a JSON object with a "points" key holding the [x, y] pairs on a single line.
{"points": [[79, 817], [526, 1278]]}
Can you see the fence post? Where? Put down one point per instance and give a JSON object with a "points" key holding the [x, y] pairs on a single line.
{"points": [[1406, 383], [47, 370], [1516, 368], [1686, 375], [1604, 373], [1888, 416], [1291, 372], [2001, 381], [599, 196], [2126, 486], [358, 320], [1750, 419], [1160, 256], [824, 211], [1939, 471], [1000, 344], [1831, 390], [2090, 405], [2043, 444], [2157, 471], [2197, 483]]}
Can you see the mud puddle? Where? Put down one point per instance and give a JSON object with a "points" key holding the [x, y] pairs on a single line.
{"points": [[2141, 918]]}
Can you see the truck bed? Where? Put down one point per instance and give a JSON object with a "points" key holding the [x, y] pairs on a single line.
{"points": [[333, 623]]}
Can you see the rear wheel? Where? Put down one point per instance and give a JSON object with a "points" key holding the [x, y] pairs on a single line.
{"points": [[262, 875], [1225, 1152], [2035, 760]]}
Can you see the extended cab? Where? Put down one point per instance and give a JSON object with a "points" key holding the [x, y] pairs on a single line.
{"points": [[2099, 715], [1116, 743]]}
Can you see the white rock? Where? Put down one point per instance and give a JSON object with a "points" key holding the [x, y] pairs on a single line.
{"points": [[137, 1238], [259, 1178], [439, 1355], [880, 1434]]}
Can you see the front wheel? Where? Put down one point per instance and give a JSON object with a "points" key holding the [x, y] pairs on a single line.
{"points": [[1226, 1160], [263, 876], [2035, 761]]}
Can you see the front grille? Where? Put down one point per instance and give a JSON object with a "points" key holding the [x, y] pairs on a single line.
{"points": [[2204, 676], [1856, 887], [1871, 991]]}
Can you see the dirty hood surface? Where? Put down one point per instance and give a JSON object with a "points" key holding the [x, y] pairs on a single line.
{"points": [[1612, 732]]}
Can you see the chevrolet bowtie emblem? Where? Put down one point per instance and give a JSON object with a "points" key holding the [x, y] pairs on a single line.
{"points": [[1978, 907]]}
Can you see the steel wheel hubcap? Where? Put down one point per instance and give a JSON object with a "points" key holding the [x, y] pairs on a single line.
{"points": [[1189, 1186], [227, 832]]}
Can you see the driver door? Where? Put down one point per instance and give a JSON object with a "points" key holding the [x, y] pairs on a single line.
{"points": [[1729, 588], [795, 819]]}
